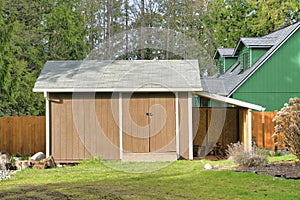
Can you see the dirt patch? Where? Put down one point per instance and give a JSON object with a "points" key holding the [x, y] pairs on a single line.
{"points": [[53, 192], [286, 169]]}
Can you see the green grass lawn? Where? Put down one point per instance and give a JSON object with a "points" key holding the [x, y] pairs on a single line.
{"points": [[96, 179]]}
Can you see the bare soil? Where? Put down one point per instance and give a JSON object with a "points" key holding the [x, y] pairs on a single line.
{"points": [[286, 169]]}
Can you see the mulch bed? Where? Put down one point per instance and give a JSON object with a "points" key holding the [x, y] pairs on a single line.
{"points": [[286, 169]]}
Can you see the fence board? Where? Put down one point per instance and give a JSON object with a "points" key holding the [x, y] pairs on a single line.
{"points": [[25, 135], [263, 129], [233, 127]]}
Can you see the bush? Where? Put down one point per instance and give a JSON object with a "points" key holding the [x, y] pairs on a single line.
{"points": [[241, 157], [287, 125]]}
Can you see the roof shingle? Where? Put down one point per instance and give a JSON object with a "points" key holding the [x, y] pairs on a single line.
{"points": [[121, 75]]}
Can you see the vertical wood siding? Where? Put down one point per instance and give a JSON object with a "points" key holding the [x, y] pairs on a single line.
{"points": [[233, 128], [215, 125], [143, 133], [25, 135], [84, 125], [263, 129]]}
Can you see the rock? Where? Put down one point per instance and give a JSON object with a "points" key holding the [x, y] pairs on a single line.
{"points": [[45, 163], [230, 158], [38, 156], [272, 153], [24, 164], [284, 152], [208, 166], [4, 161]]}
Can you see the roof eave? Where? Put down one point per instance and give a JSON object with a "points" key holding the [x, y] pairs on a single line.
{"points": [[237, 47], [216, 54], [260, 46], [60, 90], [231, 101]]}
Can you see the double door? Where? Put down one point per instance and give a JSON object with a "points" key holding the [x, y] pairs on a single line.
{"points": [[148, 122]]}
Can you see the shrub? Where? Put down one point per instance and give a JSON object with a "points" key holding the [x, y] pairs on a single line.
{"points": [[245, 158], [287, 124]]}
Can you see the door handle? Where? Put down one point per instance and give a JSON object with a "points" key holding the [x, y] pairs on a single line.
{"points": [[149, 114]]}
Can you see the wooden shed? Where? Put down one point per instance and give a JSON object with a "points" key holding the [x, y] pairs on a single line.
{"points": [[119, 109]]}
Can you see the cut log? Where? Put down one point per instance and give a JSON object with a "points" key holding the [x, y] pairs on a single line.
{"points": [[44, 164]]}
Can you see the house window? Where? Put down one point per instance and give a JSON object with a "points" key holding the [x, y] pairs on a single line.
{"points": [[221, 70], [245, 61]]}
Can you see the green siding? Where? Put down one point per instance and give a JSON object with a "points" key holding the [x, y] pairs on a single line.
{"points": [[229, 62], [216, 104], [241, 54], [277, 79], [256, 54]]}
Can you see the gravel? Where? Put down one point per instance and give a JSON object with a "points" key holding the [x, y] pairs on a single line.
{"points": [[6, 174]]}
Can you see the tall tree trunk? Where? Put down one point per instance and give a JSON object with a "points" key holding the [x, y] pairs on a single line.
{"points": [[109, 27], [126, 28], [142, 28]]}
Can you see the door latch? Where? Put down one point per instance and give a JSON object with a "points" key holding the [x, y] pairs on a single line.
{"points": [[149, 114]]}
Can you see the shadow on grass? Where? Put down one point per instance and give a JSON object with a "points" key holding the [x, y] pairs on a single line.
{"points": [[59, 191]]}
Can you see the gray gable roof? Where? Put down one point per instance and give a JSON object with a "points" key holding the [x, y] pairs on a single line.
{"points": [[266, 41], [224, 52], [227, 83], [258, 42], [122, 75]]}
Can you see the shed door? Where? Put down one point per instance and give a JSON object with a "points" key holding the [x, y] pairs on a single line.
{"points": [[149, 122]]}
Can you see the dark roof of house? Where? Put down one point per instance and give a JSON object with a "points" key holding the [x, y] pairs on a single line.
{"points": [[224, 52], [121, 75], [258, 42], [266, 41], [232, 79]]}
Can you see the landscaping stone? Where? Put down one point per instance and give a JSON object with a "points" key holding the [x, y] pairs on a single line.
{"points": [[23, 164], [44, 164], [272, 153], [38, 156], [208, 166], [6, 174], [4, 161]]}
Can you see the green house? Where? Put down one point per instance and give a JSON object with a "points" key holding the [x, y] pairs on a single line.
{"points": [[225, 59], [265, 72]]}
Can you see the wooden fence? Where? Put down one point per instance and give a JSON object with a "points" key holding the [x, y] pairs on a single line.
{"points": [[25, 135], [263, 129], [227, 127], [217, 125]]}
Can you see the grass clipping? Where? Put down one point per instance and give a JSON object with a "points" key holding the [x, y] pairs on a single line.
{"points": [[253, 158]]}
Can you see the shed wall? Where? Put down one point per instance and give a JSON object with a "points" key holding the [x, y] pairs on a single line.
{"points": [[84, 125]]}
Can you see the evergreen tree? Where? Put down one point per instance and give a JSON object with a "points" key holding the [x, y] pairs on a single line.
{"points": [[230, 20], [65, 31]]}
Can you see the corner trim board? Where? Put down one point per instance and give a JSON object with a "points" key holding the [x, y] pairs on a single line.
{"points": [[121, 125], [46, 95], [190, 125], [177, 124]]}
